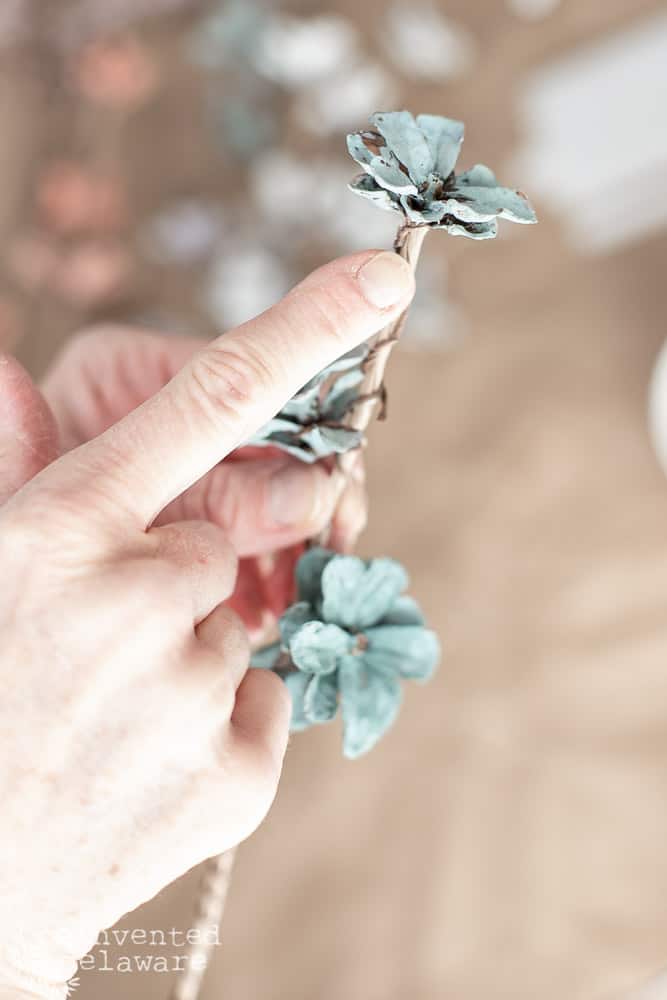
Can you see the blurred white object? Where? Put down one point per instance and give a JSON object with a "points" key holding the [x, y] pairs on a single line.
{"points": [[356, 226], [533, 10], [302, 197], [595, 150], [657, 407], [342, 100], [183, 233], [321, 59], [297, 51], [13, 21], [286, 189], [434, 323], [244, 282], [423, 43]]}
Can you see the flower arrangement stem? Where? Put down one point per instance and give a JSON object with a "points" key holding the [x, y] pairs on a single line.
{"points": [[217, 872], [408, 244], [210, 906], [408, 167]]}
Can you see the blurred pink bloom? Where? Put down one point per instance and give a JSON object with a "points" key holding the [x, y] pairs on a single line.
{"points": [[72, 198], [92, 274], [118, 73]]}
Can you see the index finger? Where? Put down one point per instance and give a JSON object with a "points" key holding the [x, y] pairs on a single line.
{"points": [[230, 389]]}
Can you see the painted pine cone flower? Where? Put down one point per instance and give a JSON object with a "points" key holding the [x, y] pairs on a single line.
{"points": [[310, 426], [409, 168], [352, 638]]}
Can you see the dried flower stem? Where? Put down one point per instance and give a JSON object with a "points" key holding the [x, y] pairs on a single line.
{"points": [[217, 871], [408, 244], [210, 905]]}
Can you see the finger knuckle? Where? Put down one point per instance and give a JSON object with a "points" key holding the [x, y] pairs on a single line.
{"points": [[226, 379], [198, 543]]}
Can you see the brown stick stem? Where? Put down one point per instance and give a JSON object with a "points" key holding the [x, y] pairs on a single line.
{"points": [[408, 244], [217, 871], [211, 898]]}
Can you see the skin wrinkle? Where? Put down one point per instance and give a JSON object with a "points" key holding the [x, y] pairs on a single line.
{"points": [[305, 303], [260, 367], [221, 409], [327, 308], [280, 326], [332, 302]]}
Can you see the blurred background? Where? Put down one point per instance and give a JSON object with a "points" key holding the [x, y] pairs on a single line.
{"points": [[179, 164]]}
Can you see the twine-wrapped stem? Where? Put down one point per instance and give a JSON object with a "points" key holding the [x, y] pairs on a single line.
{"points": [[408, 244], [210, 906], [217, 871]]}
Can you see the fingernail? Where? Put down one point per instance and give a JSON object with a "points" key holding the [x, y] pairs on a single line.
{"points": [[385, 279], [294, 494]]}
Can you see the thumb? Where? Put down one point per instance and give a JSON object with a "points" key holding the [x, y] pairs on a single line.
{"points": [[28, 431], [262, 504]]}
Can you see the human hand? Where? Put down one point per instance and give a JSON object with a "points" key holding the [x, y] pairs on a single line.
{"points": [[267, 503], [135, 741]]}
